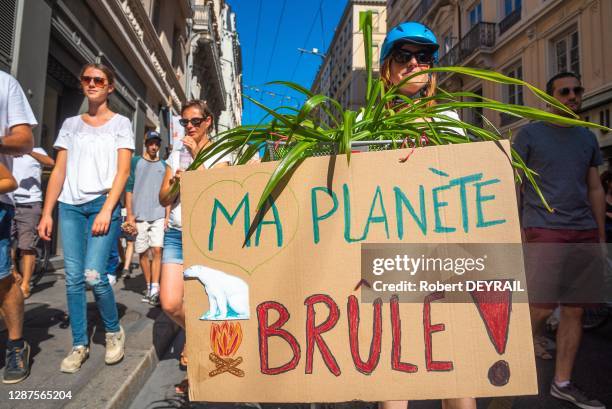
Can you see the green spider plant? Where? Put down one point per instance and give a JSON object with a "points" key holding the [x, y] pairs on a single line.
{"points": [[387, 115]]}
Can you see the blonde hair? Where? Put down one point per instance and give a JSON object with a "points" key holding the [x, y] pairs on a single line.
{"points": [[430, 88]]}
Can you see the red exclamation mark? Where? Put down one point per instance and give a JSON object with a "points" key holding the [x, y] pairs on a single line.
{"points": [[494, 308]]}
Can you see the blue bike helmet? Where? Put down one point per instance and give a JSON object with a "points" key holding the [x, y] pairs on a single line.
{"points": [[409, 32]]}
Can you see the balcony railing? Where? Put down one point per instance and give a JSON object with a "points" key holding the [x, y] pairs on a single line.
{"points": [[424, 7], [481, 35], [202, 19], [421, 9], [507, 119], [510, 20], [207, 59]]}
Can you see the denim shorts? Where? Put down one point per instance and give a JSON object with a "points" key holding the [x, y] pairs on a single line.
{"points": [[6, 218], [173, 247]]}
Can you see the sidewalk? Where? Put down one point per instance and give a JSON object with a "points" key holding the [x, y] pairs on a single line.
{"points": [[148, 334]]}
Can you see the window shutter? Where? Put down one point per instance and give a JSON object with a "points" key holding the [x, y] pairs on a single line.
{"points": [[7, 31]]}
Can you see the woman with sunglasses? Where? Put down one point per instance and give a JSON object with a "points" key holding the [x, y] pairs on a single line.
{"points": [[92, 166], [197, 119], [407, 50]]}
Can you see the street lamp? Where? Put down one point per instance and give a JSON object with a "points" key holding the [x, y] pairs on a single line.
{"points": [[314, 51]]}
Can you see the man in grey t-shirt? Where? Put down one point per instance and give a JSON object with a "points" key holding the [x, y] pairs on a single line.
{"points": [[144, 210], [563, 255]]}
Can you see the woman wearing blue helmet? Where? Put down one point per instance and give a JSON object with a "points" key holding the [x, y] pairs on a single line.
{"points": [[408, 49]]}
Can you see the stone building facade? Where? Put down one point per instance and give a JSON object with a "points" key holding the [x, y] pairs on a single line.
{"points": [[528, 39], [231, 69], [162, 51], [342, 74]]}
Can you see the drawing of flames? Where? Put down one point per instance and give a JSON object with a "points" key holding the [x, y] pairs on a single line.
{"points": [[225, 339]]}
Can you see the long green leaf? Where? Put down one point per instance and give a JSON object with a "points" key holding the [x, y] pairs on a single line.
{"points": [[365, 25], [345, 142], [286, 165], [308, 94]]}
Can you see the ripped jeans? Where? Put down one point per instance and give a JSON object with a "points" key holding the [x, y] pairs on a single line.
{"points": [[85, 258]]}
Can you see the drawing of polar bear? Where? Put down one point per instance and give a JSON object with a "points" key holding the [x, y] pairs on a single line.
{"points": [[228, 295]]}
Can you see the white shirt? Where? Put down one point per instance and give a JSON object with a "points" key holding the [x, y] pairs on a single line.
{"points": [[451, 114], [173, 162], [27, 172], [14, 110], [92, 156]]}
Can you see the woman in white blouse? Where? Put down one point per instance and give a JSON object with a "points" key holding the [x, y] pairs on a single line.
{"points": [[92, 166]]}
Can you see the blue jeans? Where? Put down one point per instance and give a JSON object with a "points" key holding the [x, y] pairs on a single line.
{"points": [[6, 216], [113, 258], [85, 258]]}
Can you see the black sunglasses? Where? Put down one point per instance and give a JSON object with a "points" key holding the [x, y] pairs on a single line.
{"points": [[564, 92], [194, 121], [403, 56]]}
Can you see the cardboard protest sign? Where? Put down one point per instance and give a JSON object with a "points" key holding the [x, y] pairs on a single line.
{"points": [[272, 309]]}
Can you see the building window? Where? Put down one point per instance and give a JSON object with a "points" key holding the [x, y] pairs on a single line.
{"points": [[447, 43], [510, 6], [375, 21], [375, 55], [511, 14], [567, 53], [604, 118], [475, 14], [177, 48], [156, 4], [474, 115], [513, 94]]}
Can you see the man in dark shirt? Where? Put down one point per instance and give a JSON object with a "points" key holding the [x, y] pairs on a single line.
{"points": [[565, 159]]}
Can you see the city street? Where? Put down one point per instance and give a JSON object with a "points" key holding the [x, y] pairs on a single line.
{"points": [[96, 385], [265, 162]]}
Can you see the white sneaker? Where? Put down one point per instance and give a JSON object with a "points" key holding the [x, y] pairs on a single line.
{"points": [[72, 363], [112, 279], [114, 346]]}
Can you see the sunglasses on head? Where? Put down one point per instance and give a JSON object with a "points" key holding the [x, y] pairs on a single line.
{"points": [[564, 92], [98, 81], [194, 121], [403, 56]]}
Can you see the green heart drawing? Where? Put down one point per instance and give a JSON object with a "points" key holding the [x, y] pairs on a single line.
{"points": [[242, 183]]}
